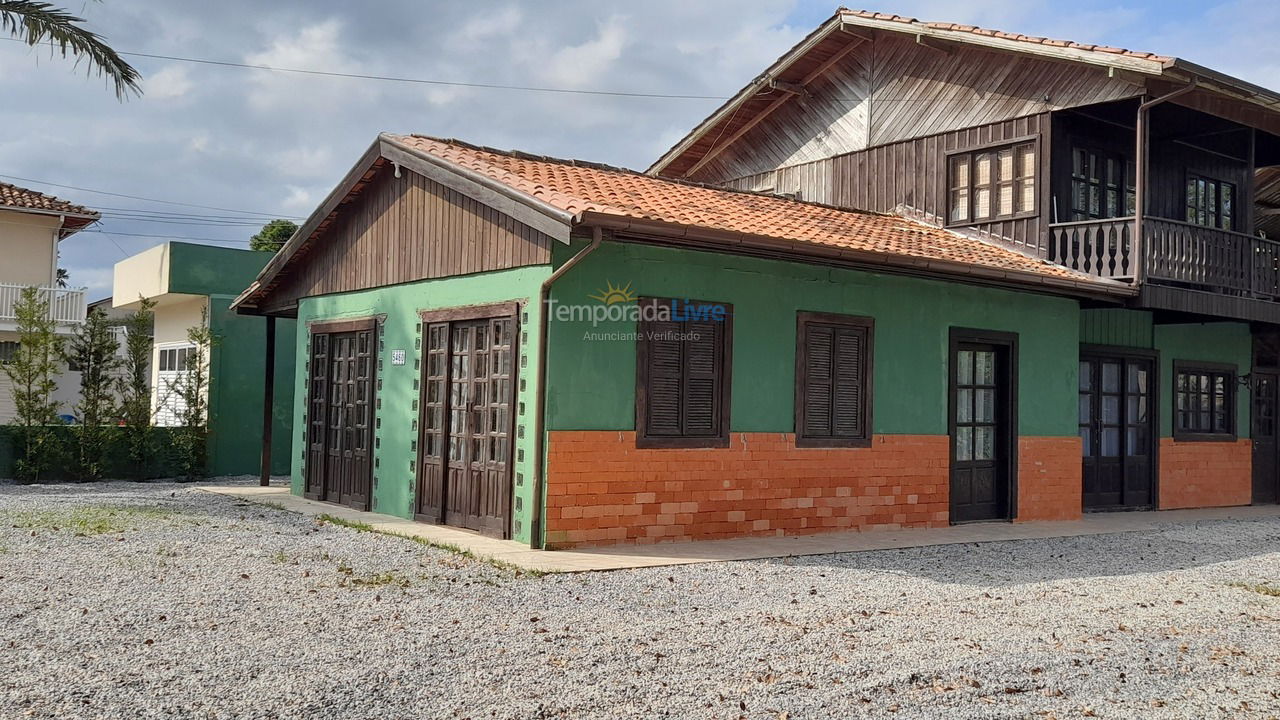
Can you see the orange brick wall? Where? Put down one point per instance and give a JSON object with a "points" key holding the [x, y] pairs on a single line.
{"points": [[601, 490], [1205, 474], [1049, 481]]}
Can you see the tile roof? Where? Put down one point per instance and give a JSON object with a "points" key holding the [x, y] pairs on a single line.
{"points": [[12, 196], [974, 29], [577, 187]]}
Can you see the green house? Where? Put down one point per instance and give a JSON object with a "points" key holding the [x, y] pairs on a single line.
{"points": [[193, 285], [1044, 289]]}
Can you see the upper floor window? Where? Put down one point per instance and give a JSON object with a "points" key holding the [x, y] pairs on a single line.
{"points": [[1211, 203], [682, 373], [991, 184], [1101, 185], [1204, 402], [833, 380], [8, 351]]}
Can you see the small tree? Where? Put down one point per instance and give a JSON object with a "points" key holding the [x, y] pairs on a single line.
{"points": [[94, 350], [192, 437], [273, 235], [134, 388], [32, 373]]}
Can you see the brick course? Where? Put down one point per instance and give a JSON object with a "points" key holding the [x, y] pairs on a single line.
{"points": [[1049, 478], [601, 490], [1205, 474]]}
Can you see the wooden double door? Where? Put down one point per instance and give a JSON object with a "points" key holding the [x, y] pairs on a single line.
{"points": [[340, 411], [982, 426], [466, 422], [1117, 431]]}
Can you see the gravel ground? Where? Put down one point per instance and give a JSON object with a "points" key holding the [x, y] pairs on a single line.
{"points": [[153, 600]]}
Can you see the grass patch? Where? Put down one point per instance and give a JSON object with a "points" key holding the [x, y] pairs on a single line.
{"points": [[89, 519], [1260, 588], [447, 547], [273, 505]]}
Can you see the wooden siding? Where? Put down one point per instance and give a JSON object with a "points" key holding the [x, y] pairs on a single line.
{"points": [[910, 177], [890, 89], [1108, 326], [404, 229]]}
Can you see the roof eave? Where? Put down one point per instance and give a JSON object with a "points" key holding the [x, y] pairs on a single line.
{"points": [[942, 269]]}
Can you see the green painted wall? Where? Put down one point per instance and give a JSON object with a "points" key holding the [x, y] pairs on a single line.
{"points": [[395, 437], [1224, 342], [592, 382], [236, 391], [209, 270], [1107, 326]]}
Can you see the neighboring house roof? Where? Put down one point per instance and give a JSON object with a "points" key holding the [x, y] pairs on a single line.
{"points": [[21, 199], [825, 46], [710, 217]]}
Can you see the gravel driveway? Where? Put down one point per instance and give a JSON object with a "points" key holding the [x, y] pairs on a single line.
{"points": [[153, 600]]}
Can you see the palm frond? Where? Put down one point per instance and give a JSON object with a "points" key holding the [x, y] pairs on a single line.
{"points": [[34, 22]]}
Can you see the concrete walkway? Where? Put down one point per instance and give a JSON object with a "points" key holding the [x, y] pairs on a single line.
{"points": [[640, 556]]}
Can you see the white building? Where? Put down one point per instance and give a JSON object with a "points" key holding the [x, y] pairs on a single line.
{"points": [[31, 226]]}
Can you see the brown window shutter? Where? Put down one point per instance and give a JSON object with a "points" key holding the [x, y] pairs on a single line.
{"points": [[682, 381], [833, 371], [665, 379]]}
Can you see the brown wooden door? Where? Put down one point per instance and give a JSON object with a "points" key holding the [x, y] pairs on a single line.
{"points": [[1266, 465], [341, 421], [317, 416], [466, 419], [1117, 431], [980, 432]]}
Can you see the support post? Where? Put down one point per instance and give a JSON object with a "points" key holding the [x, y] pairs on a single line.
{"points": [[1142, 135], [268, 400]]}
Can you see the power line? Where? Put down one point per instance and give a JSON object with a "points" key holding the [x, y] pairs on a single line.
{"points": [[144, 199], [166, 237]]}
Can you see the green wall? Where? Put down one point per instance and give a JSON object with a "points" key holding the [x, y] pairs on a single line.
{"points": [[1224, 342], [209, 270], [1108, 326], [395, 436], [236, 391], [592, 382]]}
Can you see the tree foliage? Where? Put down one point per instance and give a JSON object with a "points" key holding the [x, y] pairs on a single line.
{"points": [[134, 387], [191, 441], [33, 22], [273, 235], [94, 350], [32, 373]]}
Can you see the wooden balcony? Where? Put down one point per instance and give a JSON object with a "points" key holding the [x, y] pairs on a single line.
{"points": [[1175, 253], [66, 307]]}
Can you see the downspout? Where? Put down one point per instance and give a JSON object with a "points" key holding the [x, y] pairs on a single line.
{"points": [[540, 404], [1140, 182]]}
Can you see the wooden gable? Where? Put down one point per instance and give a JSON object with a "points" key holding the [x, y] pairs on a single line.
{"points": [[890, 87], [402, 229]]}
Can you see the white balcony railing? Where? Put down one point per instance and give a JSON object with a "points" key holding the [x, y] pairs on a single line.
{"points": [[66, 306]]}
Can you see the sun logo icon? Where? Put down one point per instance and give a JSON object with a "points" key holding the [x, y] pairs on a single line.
{"points": [[612, 294]]}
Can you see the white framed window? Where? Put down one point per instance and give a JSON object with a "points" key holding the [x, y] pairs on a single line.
{"points": [[172, 363]]}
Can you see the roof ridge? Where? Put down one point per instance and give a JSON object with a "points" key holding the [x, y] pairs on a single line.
{"points": [[573, 162]]}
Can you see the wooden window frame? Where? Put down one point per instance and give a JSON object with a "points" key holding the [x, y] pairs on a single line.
{"points": [[867, 326], [1124, 185], [1181, 367], [970, 156], [644, 440], [1218, 185]]}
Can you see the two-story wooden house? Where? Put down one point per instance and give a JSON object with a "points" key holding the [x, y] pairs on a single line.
{"points": [[31, 226], [914, 274]]}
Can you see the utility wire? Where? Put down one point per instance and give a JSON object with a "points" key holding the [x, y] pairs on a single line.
{"points": [[145, 199]]}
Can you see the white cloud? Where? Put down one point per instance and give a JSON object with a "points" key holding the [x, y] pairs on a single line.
{"points": [[576, 66], [171, 82], [313, 47], [298, 201]]}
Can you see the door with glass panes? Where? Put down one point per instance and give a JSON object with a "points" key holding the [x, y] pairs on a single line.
{"points": [[1116, 425], [981, 431], [466, 421]]}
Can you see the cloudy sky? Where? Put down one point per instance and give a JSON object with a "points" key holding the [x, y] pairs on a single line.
{"points": [[252, 141]]}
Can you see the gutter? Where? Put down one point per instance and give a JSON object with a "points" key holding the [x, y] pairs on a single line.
{"points": [[698, 238], [540, 411]]}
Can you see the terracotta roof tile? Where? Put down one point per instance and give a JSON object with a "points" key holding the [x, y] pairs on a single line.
{"points": [[1007, 35], [12, 196], [576, 187]]}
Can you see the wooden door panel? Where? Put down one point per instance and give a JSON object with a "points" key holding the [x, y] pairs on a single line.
{"points": [[1266, 444], [317, 416], [1117, 431], [981, 433]]}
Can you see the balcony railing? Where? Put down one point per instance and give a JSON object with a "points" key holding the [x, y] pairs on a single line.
{"points": [[1174, 252], [65, 306]]}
